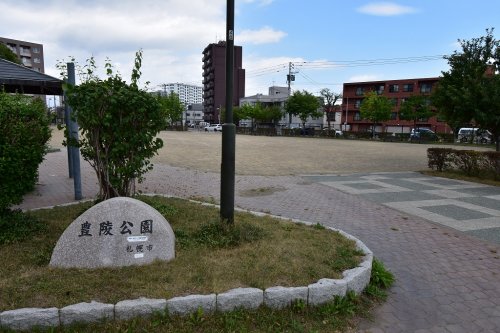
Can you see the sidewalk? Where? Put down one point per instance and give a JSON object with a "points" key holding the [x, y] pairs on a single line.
{"points": [[446, 280]]}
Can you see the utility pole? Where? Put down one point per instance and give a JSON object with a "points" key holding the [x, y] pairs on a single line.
{"points": [[228, 128], [289, 78]]}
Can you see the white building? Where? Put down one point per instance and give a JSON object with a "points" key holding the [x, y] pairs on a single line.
{"points": [[278, 96], [188, 94]]}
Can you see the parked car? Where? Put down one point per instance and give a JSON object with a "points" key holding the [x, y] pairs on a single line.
{"points": [[423, 134], [476, 135], [213, 128], [333, 130]]}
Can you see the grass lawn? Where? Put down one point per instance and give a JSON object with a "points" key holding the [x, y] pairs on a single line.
{"points": [[258, 252]]}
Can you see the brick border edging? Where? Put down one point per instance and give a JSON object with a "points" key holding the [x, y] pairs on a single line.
{"points": [[325, 290]]}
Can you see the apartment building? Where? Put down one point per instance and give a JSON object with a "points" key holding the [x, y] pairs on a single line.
{"points": [[188, 94], [30, 54], [214, 79], [397, 91]]}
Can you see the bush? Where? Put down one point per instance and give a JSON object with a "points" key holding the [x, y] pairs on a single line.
{"points": [[25, 132], [439, 158], [118, 124], [470, 162], [467, 161], [491, 163]]}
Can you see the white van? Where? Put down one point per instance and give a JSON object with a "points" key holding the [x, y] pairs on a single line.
{"points": [[473, 134]]}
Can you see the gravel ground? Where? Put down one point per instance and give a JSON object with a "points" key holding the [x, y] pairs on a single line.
{"points": [[282, 156]]}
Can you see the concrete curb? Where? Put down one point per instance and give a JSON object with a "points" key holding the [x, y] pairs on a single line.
{"points": [[323, 291]]}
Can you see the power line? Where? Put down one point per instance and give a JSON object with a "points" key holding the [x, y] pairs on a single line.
{"points": [[342, 64]]}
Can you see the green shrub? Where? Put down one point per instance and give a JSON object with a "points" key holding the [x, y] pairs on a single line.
{"points": [[118, 125], [439, 158], [25, 132], [467, 161], [491, 163]]}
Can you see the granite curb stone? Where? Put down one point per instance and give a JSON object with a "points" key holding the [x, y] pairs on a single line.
{"points": [[357, 279], [86, 313], [141, 307], [325, 291], [191, 303], [246, 298], [280, 297], [28, 318]]}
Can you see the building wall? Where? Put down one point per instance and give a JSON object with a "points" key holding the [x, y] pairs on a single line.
{"points": [[30, 54], [396, 90], [214, 79], [278, 96], [188, 94], [194, 114]]}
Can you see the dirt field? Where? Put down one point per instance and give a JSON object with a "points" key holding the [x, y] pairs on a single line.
{"points": [[270, 156]]}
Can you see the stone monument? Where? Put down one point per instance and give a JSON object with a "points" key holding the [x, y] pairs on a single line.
{"points": [[117, 232]]}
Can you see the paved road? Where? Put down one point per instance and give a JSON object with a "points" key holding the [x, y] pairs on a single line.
{"points": [[447, 280]]}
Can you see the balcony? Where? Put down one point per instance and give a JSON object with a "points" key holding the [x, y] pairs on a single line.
{"points": [[25, 52]]}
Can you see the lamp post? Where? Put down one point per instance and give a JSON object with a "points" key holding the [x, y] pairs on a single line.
{"points": [[228, 128]]}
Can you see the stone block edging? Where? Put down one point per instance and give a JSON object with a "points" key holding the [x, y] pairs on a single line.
{"points": [[323, 291]]}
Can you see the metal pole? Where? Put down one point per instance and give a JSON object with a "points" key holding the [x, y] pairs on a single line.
{"points": [[228, 128], [68, 147], [73, 134]]}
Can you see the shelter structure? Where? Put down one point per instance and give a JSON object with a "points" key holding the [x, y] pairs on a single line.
{"points": [[15, 78]]}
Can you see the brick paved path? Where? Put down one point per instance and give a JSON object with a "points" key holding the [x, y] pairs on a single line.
{"points": [[447, 281]]}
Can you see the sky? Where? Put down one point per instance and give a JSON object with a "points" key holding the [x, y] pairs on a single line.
{"points": [[328, 42]]}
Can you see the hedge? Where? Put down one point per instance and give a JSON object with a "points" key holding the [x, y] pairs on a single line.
{"points": [[470, 162]]}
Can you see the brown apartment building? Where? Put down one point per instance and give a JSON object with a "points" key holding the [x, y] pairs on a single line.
{"points": [[30, 54], [397, 91], [214, 80]]}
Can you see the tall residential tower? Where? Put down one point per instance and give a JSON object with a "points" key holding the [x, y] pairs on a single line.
{"points": [[214, 80]]}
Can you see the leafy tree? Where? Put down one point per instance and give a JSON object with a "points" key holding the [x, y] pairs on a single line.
{"points": [[304, 105], [25, 132], [330, 99], [259, 113], [376, 108], [118, 124], [470, 91], [249, 111], [7, 54], [172, 107], [414, 108], [271, 114]]}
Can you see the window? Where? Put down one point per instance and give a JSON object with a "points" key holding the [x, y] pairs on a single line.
{"points": [[360, 91], [36, 60], [408, 87], [394, 101], [35, 50], [394, 115], [357, 116], [393, 88], [425, 88], [379, 89], [357, 103]]}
